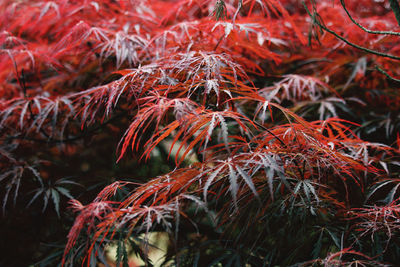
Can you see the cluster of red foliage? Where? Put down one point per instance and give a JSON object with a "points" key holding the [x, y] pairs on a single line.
{"points": [[261, 108]]}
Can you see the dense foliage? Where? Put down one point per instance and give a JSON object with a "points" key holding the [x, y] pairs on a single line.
{"points": [[245, 133]]}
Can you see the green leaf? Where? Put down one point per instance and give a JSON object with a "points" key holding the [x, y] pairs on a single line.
{"points": [[46, 199], [39, 191], [220, 10], [56, 200], [64, 192], [394, 4], [120, 248]]}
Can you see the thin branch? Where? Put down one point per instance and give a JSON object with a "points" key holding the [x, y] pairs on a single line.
{"points": [[22, 83], [347, 41], [219, 41], [70, 139], [237, 11], [233, 23], [284, 145], [363, 28], [271, 133], [387, 74]]}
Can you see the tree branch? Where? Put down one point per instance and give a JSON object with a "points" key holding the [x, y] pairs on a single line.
{"points": [[365, 29], [347, 41], [387, 74]]}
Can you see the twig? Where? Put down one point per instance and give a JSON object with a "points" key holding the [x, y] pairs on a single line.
{"points": [[347, 41], [387, 74], [71, 139], [365, 29]]}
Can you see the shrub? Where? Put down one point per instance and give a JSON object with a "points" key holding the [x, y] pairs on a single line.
{"points": [[259, 132]]}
